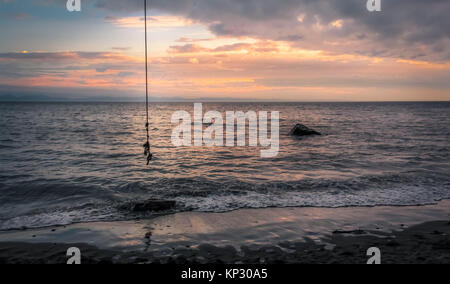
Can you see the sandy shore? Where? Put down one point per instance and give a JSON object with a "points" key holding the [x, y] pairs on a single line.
{"points": [[416, 234]]}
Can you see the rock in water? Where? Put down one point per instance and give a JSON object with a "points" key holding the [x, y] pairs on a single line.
{"points": [[154, 205], [302, 130]]}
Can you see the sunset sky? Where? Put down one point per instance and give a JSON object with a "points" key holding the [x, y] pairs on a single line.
{"points": [[280, 50]]}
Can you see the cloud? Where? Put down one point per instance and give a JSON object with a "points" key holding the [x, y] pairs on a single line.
{"points": [[235, 71], [190, 40], [121, 48], [410, 29], [64, 55], [187, 48], [20, 16], [71, 69], [153, 22], [261, 47]]}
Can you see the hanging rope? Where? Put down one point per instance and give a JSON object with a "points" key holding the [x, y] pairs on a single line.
{"points": [[147, 150]]}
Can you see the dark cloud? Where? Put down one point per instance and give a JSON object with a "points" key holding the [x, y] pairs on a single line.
{"points": [[121, 48], [184, 39], [69, 56], [56, 55], [413, 29]]}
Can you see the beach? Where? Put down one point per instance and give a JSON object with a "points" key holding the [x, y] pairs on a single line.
{"points": [[408, 234]]}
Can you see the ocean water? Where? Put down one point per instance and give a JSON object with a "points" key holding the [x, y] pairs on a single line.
{"points": [[62, 163]]}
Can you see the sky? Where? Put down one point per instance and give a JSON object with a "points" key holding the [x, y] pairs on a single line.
{"points": [[230, 50]]}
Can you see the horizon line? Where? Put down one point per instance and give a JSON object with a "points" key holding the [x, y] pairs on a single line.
{"points": [[209, 101]]}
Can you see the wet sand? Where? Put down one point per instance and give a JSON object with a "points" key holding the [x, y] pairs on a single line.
{"points": [[415, 234]]}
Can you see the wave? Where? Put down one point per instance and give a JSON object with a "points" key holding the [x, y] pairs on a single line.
{"points": [[50, 203]]}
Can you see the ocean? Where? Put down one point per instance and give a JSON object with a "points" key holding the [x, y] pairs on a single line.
{"points": [[63, 163]]}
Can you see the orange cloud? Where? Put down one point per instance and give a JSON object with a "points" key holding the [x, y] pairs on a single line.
{"points": [[239, 47], [260, 70], [152, 22]]}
